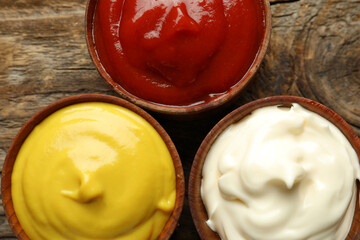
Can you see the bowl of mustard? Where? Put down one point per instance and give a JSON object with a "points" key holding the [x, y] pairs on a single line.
{"points": [[92, 167]]}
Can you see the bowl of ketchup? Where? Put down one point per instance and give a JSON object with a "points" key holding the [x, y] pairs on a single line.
{"points": [[178, 57]]}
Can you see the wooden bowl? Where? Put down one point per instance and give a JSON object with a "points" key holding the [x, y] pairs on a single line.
{"points": [[197, 208], [170, 109], [40, 116]]}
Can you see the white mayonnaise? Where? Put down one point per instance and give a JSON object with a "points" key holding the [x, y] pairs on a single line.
{"points": [[281, 174]]}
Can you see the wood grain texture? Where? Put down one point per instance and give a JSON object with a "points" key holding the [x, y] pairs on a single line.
{"points": [[314, 52]]}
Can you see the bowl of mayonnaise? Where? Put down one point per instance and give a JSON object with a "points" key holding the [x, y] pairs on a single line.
{"points": [[92, 166], [279, 168]]}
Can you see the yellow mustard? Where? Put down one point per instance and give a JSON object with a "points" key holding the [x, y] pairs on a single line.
{"points": [[93, 171]]}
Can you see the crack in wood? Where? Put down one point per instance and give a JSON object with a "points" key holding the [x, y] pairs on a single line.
{"points": [[284, 15], [274, 2], [75, 69]]}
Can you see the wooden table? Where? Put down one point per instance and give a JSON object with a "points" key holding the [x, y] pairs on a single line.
{"points": [[314, 52]]}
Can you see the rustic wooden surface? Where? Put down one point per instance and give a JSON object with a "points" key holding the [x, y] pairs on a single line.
{"points": [[314, 52]]}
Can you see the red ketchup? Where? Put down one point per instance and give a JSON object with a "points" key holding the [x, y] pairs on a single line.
{"points": [[178, 52]]}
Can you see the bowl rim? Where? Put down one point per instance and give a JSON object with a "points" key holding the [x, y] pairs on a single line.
{"points": [[194, 109], [197, 207], [48, 110]]}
